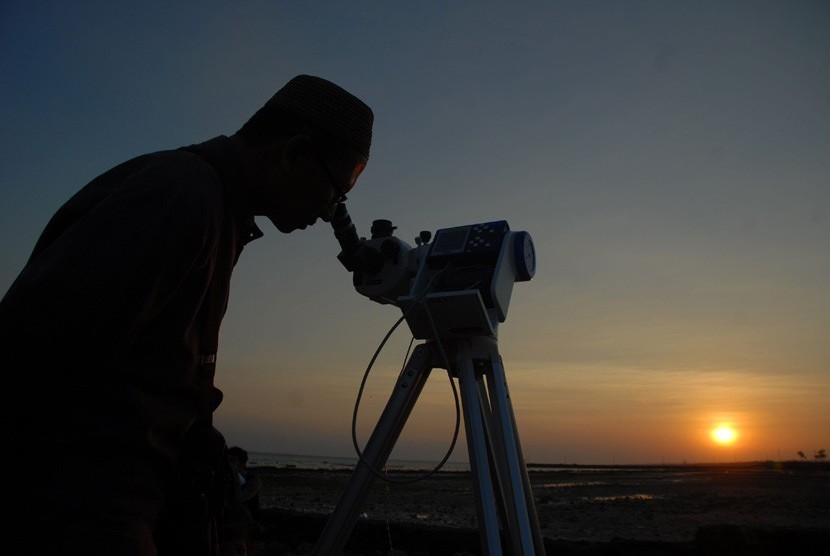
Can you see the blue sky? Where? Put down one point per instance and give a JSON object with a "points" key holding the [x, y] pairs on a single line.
{"points": [[670, 160]]}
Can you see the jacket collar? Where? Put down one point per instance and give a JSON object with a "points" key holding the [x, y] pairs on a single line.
{"points": [[220, 153]]}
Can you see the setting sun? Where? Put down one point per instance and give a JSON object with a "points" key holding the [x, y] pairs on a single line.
{"points": [[724, 434]]}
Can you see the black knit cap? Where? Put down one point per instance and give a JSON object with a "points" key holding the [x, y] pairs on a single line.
{"points": [[329, 108]]}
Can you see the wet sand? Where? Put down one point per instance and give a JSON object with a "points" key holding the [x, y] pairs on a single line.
{"points": [[752, 508]]}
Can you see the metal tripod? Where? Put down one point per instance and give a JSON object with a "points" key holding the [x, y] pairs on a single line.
{"points": [[504, 501]]}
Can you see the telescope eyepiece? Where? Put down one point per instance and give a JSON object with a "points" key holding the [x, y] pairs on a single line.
{"points": [[344, 230], [354, 255]]}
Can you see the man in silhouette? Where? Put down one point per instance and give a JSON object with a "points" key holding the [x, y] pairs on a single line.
{"points": [[109, 332]]}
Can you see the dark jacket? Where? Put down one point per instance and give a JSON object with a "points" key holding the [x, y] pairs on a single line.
{"points": [[103, 329]]}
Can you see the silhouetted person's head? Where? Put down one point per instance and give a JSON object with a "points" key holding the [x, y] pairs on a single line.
{"points": [[303, 151], [238, 458]]}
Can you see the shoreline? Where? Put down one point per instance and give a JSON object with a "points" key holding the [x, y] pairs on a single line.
{"points": [[805, 466], [648, 506]]}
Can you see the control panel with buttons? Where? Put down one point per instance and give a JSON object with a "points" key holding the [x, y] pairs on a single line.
{"points": [[473, 244]]}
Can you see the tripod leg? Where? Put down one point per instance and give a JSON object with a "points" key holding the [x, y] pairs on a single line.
{"points": [[507, 491], [479, 458], [496, 471], [500, 472], [530, 503], [521, 506], [407, 389]]}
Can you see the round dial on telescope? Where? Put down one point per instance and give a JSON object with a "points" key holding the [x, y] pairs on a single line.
{"points": [[525, 255]]}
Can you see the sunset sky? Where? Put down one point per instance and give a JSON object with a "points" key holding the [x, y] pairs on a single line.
{"points": [[671, 161]]}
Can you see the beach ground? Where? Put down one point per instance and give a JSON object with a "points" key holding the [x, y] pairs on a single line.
{"points": [[716, 509]]}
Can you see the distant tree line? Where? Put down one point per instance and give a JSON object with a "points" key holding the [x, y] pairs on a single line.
{"points": [[820, 455]]}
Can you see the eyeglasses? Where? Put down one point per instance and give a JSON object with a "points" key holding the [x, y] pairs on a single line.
{"points": [[339, 192]]}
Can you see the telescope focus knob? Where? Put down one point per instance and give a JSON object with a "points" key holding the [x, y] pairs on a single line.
{"points": [[382, 228], [525, 256]]}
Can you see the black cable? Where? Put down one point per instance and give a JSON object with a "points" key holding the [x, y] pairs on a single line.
{"points": [[454, 441]]}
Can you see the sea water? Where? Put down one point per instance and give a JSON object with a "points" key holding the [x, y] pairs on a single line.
{"points": [[298, 461]]}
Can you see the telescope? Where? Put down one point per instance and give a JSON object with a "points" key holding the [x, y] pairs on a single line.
{"points": [[463, 279], [454, 292]]}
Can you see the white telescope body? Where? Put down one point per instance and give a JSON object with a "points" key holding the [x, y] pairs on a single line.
{"points": [[464, 278]]}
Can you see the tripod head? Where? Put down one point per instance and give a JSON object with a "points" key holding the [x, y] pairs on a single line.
{"points": [[457, 286]]}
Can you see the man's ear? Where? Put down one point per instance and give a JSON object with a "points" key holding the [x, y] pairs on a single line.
{"points": [[295, 148]]}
